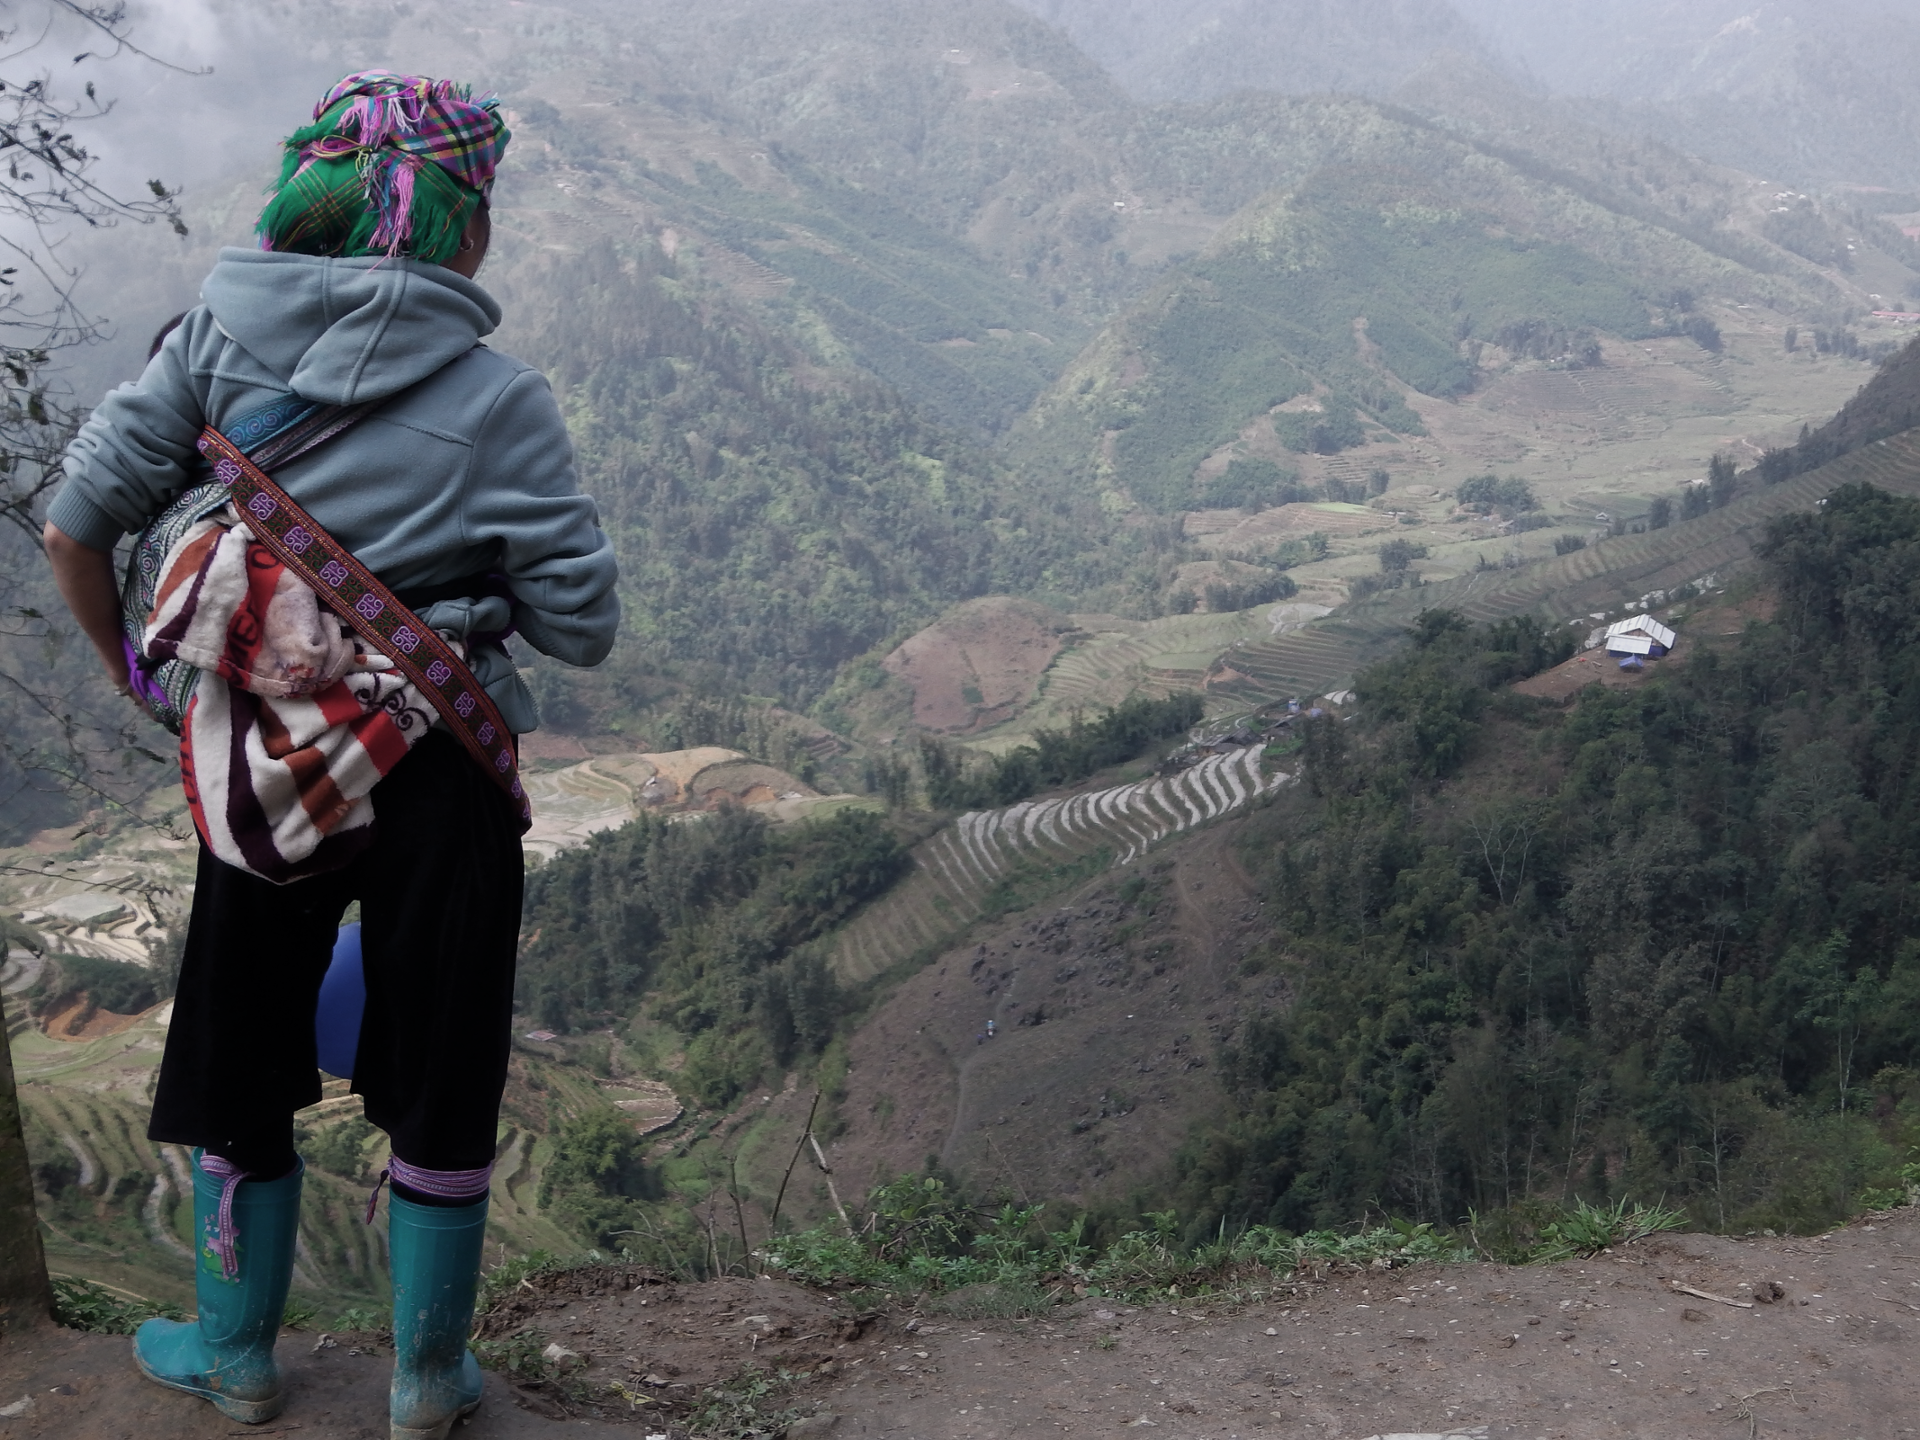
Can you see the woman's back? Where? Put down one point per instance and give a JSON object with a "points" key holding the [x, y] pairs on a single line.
{"points": [[467, 470]]}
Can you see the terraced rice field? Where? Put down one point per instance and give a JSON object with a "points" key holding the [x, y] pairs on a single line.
{"points": [[109, 909], [1255, 667], [1259, 534], [958, 869], [603, 793], [571, 804], [1302, 663], [1615, 404], [1155, 657], [118, 1208]]}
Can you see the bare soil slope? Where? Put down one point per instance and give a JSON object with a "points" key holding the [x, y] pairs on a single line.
{"points": [[979, 663], [1106, 1012]]}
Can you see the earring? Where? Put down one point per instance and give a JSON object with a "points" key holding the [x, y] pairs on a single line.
{"points": [[465, 246]]}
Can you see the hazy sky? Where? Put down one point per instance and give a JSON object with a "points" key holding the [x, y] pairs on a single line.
{"points": [[207, 122], [184, 127]]}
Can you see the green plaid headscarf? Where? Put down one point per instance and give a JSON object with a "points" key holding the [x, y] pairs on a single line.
{"points": [[391, 165]]}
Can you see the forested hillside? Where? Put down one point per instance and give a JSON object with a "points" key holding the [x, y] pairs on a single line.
{"points": [[775, 517], [1664, 944], [704, 930]]}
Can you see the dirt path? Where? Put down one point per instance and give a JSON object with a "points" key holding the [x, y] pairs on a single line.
{"points": [[1597, 1348], [84, 1387], [963, 1063], [1580, 1351]]}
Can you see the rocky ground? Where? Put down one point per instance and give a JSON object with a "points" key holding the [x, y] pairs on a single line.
{"points": [[1811, 1338]]}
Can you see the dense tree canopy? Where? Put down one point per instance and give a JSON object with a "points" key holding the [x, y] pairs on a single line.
{"points": [[1667, 943], [705, 919]]}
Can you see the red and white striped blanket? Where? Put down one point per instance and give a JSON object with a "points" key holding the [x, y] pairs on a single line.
{"points": [[292, 722]]}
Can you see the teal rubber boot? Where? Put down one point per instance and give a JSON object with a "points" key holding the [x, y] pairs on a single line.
{"points": [[226, 1355], [435, 1254]]}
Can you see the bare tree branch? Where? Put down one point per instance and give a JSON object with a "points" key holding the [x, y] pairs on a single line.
{"points": [[46, 189], [110, 21]]}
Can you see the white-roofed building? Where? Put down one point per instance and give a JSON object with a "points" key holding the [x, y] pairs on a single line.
{"points": [[1641, 635]]}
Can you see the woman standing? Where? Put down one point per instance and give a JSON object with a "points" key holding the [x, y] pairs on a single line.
{"points": [[457, 492]]}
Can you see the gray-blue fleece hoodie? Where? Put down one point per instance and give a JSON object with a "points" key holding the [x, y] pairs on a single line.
{"points": [[468, 472]]}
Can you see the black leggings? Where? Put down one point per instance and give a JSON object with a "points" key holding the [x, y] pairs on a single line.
{"points": [[439, 892]]}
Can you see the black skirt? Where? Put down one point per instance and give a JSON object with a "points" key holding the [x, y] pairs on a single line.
{"points": [[439, 892]]}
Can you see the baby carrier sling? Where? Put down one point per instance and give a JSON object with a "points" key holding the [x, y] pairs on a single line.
{"points": [[277, 758]]}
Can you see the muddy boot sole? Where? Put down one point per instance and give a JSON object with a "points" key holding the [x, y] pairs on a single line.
{"points": [[434, 1432], [247, 1412]]}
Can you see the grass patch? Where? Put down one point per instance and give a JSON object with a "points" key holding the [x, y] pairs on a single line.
{"points": [[1027, 887], [746, 1407], [364, 1319], [995, 1300], [920, 1241], [1535, 1232], [84, 1305]]}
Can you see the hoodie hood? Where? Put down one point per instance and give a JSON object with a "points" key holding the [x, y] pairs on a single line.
{"points": [[340, 332]]}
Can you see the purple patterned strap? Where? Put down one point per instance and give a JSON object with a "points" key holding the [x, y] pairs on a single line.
{"points": [[441, 1184], [224, 1240]]}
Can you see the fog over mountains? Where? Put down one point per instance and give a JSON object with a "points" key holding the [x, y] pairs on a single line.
{"points": [[1802, 91], [1200, 49], [1105, 262]]}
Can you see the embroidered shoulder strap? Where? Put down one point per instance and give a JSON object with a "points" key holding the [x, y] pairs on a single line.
{"points": [[350, 590]]}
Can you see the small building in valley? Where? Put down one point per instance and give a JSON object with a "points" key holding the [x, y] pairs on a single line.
{"points": [[1640, 635]]}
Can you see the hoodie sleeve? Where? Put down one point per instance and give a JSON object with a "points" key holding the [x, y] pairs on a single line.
{"points": [[136, 451], [522, 495]]}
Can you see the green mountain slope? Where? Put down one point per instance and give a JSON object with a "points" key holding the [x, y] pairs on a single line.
{"points": [[849, 266], [719, 225], [775, 517], [1391, 271]]}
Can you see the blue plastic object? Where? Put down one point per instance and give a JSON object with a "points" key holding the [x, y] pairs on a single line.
{"points": [[343, 999]]}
